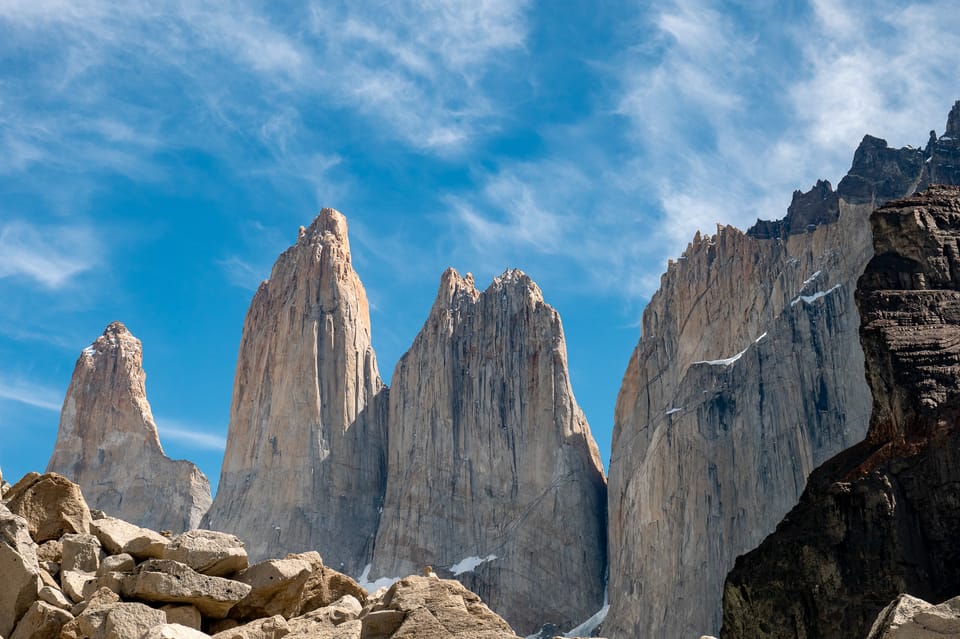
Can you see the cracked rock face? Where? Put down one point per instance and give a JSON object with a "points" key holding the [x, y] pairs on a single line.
{"points": [[304, 466], [108, 443], [880, 518], [493, 475], [749, 375]]}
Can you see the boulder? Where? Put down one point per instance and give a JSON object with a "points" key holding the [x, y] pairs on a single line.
{"points": [[187, 615], [117, 563], [54, 597], [276, 588], [911, 618], [51, 504], [325, 586], [274, 627], [20, 571], [50, 551], [336, 621], [113, 621], [42, 621], [209, 552], [81, 552], [432, 608], [173, 631], [119, 536], [168, 581], [73, 583]]}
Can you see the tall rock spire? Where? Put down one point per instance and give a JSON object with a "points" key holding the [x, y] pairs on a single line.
{"points": [[494, 476], [108, 443], [304, 467]]}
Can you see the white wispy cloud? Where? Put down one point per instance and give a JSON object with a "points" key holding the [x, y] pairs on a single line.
{"points": [[26, 392], [49, 255], [190, 435]]}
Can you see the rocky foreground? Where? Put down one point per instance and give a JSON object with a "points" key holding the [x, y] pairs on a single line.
{"points": [[71, 573]]}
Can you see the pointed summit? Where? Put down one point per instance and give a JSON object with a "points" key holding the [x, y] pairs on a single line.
{"points": [[493, 475], [108, 443], [953, 121], [304, 468]]}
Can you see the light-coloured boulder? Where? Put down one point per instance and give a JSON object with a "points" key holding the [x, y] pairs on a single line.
{"points": [[336, 621], [41, 621], [325, 586], [119, 536], [346, 630], [168, 581], [208, 551], [493, 474], [51, 504], [19, 569], [100, 597], [908, 617], [307, 395], [112, 581], [81, 552], [277, 587], [108, 443], [54, 597], [113, 621], [173, 631], [123, 562], [73, 582], [433, 609], [50, 551], [187, 616], [274, 627]]}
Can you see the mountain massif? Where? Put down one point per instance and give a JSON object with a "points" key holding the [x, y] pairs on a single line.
{"points": [[749, 375], [478, 464], [108, 442]]}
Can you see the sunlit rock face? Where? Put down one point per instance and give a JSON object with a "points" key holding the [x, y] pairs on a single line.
{"points": [[108, 443], [304, 466], [493, 474], [879, 519], [748, 375]]}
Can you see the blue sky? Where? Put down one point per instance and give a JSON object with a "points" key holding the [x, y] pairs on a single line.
{"points": [[155, 158]]}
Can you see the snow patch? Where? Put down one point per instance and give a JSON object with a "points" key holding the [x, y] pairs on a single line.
{"points": [[373, 586], [90, 350], [759, 338], [673, 410], [587, 627], [811, 278], [809, 299], [467, 564], [723, 362]]}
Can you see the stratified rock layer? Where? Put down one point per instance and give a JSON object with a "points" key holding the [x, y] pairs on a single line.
{"points": [[304, 466], [749, 374], [881, 518], [108, 442], [493, 474]]}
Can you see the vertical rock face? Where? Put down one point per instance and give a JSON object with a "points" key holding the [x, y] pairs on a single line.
{"points": [[304, 466], [108, 443], [748, 375], [881, 518], [494, 476]]}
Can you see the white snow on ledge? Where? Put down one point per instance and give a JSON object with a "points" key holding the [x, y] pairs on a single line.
{"points": [[811, 278], [809, 299], [723, 362], [673, 410], [587, 627], [467, 564], [373, 586]]}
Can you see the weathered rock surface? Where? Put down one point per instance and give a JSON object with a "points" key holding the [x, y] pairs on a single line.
{"points": [[211, 552], [431, 608], [173, 631], [51, 504], [880, 518], [168, 581], [20, 571], [748, 375], [41, 621], [119, 536], [276, 588], [108, 442], [304, 466], [490, 458], [113, 621], [910, 618]]}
